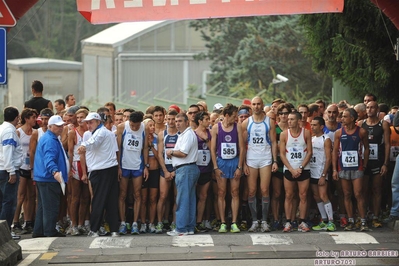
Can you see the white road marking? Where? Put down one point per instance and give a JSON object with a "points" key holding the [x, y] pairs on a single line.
{"points": [[36, 245], [111, 242], [266, 239], [352, 238], [29, 260], [192, 241]]}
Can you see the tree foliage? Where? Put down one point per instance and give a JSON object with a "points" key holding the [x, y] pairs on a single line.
{"points": [[50, 29], [248, 52], [356, 47]]}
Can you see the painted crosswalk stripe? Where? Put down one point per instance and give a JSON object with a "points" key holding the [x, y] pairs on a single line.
{"points": [[110, 242], [36, 245], [353, 238], [193, 241], [265, 239], [29, 259]]}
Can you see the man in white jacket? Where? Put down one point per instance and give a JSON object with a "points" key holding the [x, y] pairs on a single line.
{"points": [[10, 161]]}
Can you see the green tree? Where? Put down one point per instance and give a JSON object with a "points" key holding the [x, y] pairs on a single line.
{"points": [[248, 52], [50, 29], [356, 48]]}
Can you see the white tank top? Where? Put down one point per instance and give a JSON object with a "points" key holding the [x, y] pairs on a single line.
{"points": [[318, 159], [24, 140], [79, 139], [259, 146], [296, 150], [40, 133], [132, 147]]}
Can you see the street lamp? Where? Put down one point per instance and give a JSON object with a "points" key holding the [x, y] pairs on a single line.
{"points": [[279, 78]]}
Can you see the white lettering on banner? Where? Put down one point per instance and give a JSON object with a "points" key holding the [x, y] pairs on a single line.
{"points": [[196, 2], [1, 15], [163, 2], [95, 4], [133, 3]]}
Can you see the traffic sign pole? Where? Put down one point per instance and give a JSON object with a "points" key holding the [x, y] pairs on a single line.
{"points": [[3, 56]]}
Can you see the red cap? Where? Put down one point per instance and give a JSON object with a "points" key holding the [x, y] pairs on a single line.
{"points": [[174, 106]]}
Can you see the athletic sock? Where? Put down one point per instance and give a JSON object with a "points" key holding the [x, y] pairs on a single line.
{"points": [[252, 207], [329, 210], [265, 207], [320, 206]]}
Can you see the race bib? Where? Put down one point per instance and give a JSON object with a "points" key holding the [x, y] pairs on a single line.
{"points": [[296, 155], [229, 150], [204, 157], [258, 141], [394, 153], [133, 143], [150, 152], [313, 162], [350, 159], [373, 151]]}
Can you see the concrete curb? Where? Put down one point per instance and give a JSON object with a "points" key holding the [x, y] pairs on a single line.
{"points": [[10, 251], [394, 225]]}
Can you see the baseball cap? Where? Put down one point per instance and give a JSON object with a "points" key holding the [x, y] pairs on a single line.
{"points": [[174, 106], [72, 110], [396, 120], [217, 106], [92, 116], [56, 120]]}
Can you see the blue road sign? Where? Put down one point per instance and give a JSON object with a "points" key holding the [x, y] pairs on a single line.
{"points": [[3, 56]]}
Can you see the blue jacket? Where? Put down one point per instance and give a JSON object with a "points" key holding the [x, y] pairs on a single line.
{"points": [[49, 158]]}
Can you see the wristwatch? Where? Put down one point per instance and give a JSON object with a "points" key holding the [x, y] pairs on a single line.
{"points": [[147, 165], [301, 167], [323, 175]]}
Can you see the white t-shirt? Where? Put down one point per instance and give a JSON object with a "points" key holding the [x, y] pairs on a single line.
{"points": [[186, 143], [101, 148]]}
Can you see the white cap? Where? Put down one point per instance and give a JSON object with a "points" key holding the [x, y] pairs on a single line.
{"points": [[56, 120], [92, 116], [217, 106]]}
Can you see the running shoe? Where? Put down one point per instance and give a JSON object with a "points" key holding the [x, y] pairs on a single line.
{"points": [[106, 228], [172, 226], [123, 229], [207, 225], [151, 228], [200, 228], [223, 228], [93, 234], [114, 234], [350, 227], [331, 226], [358, 223], [135, 229], [15, 236], [303, 227], [376, 224], [74, 231], [102, 231], [128, 228], [254, 227], [83, 230], [175, 233], [159, 228], [217, 227], [143, 228], [16, 228], [264, 227], [243, 226], [363, 227], [234, 228], [27, 229], [320, 226], [287, 227], [276, 226], [343, 222]]}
